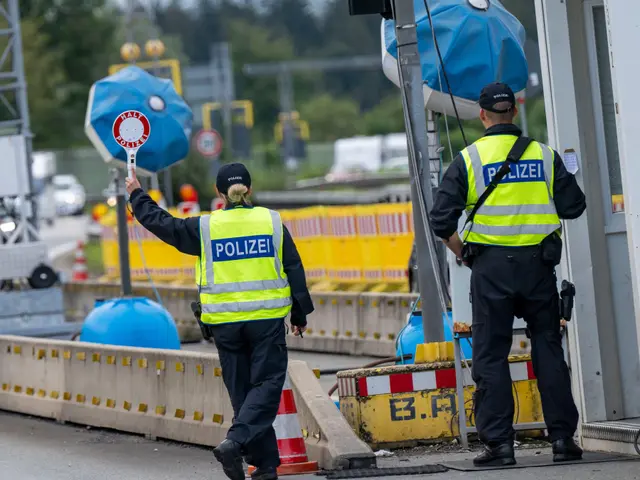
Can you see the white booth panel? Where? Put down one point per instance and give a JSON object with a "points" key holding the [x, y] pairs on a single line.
{"points": [[617, 249]]}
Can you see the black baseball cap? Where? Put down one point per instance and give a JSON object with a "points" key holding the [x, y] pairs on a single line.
{"points": [[497, 94], [232, 174]]}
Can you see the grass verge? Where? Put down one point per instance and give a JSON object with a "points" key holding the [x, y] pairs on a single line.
{"points": [[93, 252]]}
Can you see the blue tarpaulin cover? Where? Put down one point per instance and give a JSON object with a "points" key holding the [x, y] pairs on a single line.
{"points": [[132, 89], [478, 46]]}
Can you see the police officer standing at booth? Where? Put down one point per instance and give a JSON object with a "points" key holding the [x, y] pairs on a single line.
{"points": [[249, 277], [515, 191]]}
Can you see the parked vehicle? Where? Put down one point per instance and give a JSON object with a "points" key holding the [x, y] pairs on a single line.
{"points": [[70, 195], [43, 170], [368, 154]]}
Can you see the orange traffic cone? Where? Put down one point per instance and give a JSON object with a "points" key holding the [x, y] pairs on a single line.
{"points": [[293, 453], [80, 271]]}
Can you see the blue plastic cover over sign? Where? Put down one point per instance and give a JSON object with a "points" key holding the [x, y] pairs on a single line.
{"points": [[480, 42], [133, 89]]}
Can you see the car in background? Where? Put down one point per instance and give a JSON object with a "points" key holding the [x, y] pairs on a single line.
{"points": [[70, 196], [44, 193]]}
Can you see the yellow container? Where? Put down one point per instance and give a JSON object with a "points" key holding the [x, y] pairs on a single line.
{"points": [[395, 227], [308, 226], [446, 351], [345, 259], [369, 241]]}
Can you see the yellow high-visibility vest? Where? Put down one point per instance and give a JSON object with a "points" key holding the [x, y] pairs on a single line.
{"points": [[520, 211], [240, 275]]}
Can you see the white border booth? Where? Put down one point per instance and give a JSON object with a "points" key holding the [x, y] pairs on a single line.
{"points": [[590, 68]]}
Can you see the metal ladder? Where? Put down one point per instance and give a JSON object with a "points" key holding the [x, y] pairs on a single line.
{"points": [[462, 413]]}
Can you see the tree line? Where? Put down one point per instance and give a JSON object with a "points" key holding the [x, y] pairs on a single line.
{"points": [[69, 44]]}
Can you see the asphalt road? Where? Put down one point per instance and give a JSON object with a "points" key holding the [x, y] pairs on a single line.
{"points": [[32, 449]]}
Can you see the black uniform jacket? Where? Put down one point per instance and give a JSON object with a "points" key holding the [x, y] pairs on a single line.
{"points": [[184, 235], [451, 198]]}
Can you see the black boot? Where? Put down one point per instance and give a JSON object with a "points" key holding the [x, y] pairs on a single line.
{"points": [[500, 456], [229, 454], [265, 474], [566, 450]]}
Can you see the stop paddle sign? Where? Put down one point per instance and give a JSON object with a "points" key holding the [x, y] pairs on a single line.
{"points": [[131, 130]]}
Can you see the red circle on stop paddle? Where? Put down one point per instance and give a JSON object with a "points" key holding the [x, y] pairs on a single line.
{"points": [[131, 129]]}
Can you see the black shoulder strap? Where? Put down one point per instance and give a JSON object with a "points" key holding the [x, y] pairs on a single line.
{"points": [[518, 149]]}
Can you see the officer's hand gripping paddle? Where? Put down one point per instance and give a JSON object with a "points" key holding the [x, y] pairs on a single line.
{"points": [[131, 130]]}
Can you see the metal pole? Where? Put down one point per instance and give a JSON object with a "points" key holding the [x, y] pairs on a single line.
{"points": [[409, 61], [435, 170], [227, 77], [155, 182], [223, 88], [129, 23], [123, 233], [285, 88], [23, 110], [523, 117], [168, 187]]}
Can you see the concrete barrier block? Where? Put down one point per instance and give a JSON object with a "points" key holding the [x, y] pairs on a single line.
{"points": [[332, 326], [29, 378], [383, 315], [177, 395], [343, 322]]}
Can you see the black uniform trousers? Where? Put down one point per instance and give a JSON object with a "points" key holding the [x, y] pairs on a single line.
{"points": [[254, 359], [508, 282]]}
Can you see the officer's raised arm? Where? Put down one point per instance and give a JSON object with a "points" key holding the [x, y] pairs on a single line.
{"points": [[181, 233]]}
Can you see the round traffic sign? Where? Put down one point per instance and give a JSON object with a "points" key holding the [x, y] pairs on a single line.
{"points": [[209, 143], [217, 204], [131, 129]]}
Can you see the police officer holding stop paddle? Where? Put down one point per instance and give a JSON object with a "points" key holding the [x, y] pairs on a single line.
{"points": [[249, 277], [515, 191]]}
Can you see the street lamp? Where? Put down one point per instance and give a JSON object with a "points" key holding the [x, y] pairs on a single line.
{"points": [[130, 52], [154, 49]]}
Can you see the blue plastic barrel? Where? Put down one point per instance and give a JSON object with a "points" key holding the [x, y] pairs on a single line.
{"points": [[131, 322], [409, 337]]}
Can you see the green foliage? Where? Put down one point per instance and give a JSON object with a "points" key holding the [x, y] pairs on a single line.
{"points": [[72, 41], [194, 170], [45, 76], [536, 114], [385, 118], [331, 118], [69, 44], [93, 254]]}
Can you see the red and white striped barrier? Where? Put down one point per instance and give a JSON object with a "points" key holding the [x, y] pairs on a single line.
{"points": [[419, 381]]}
